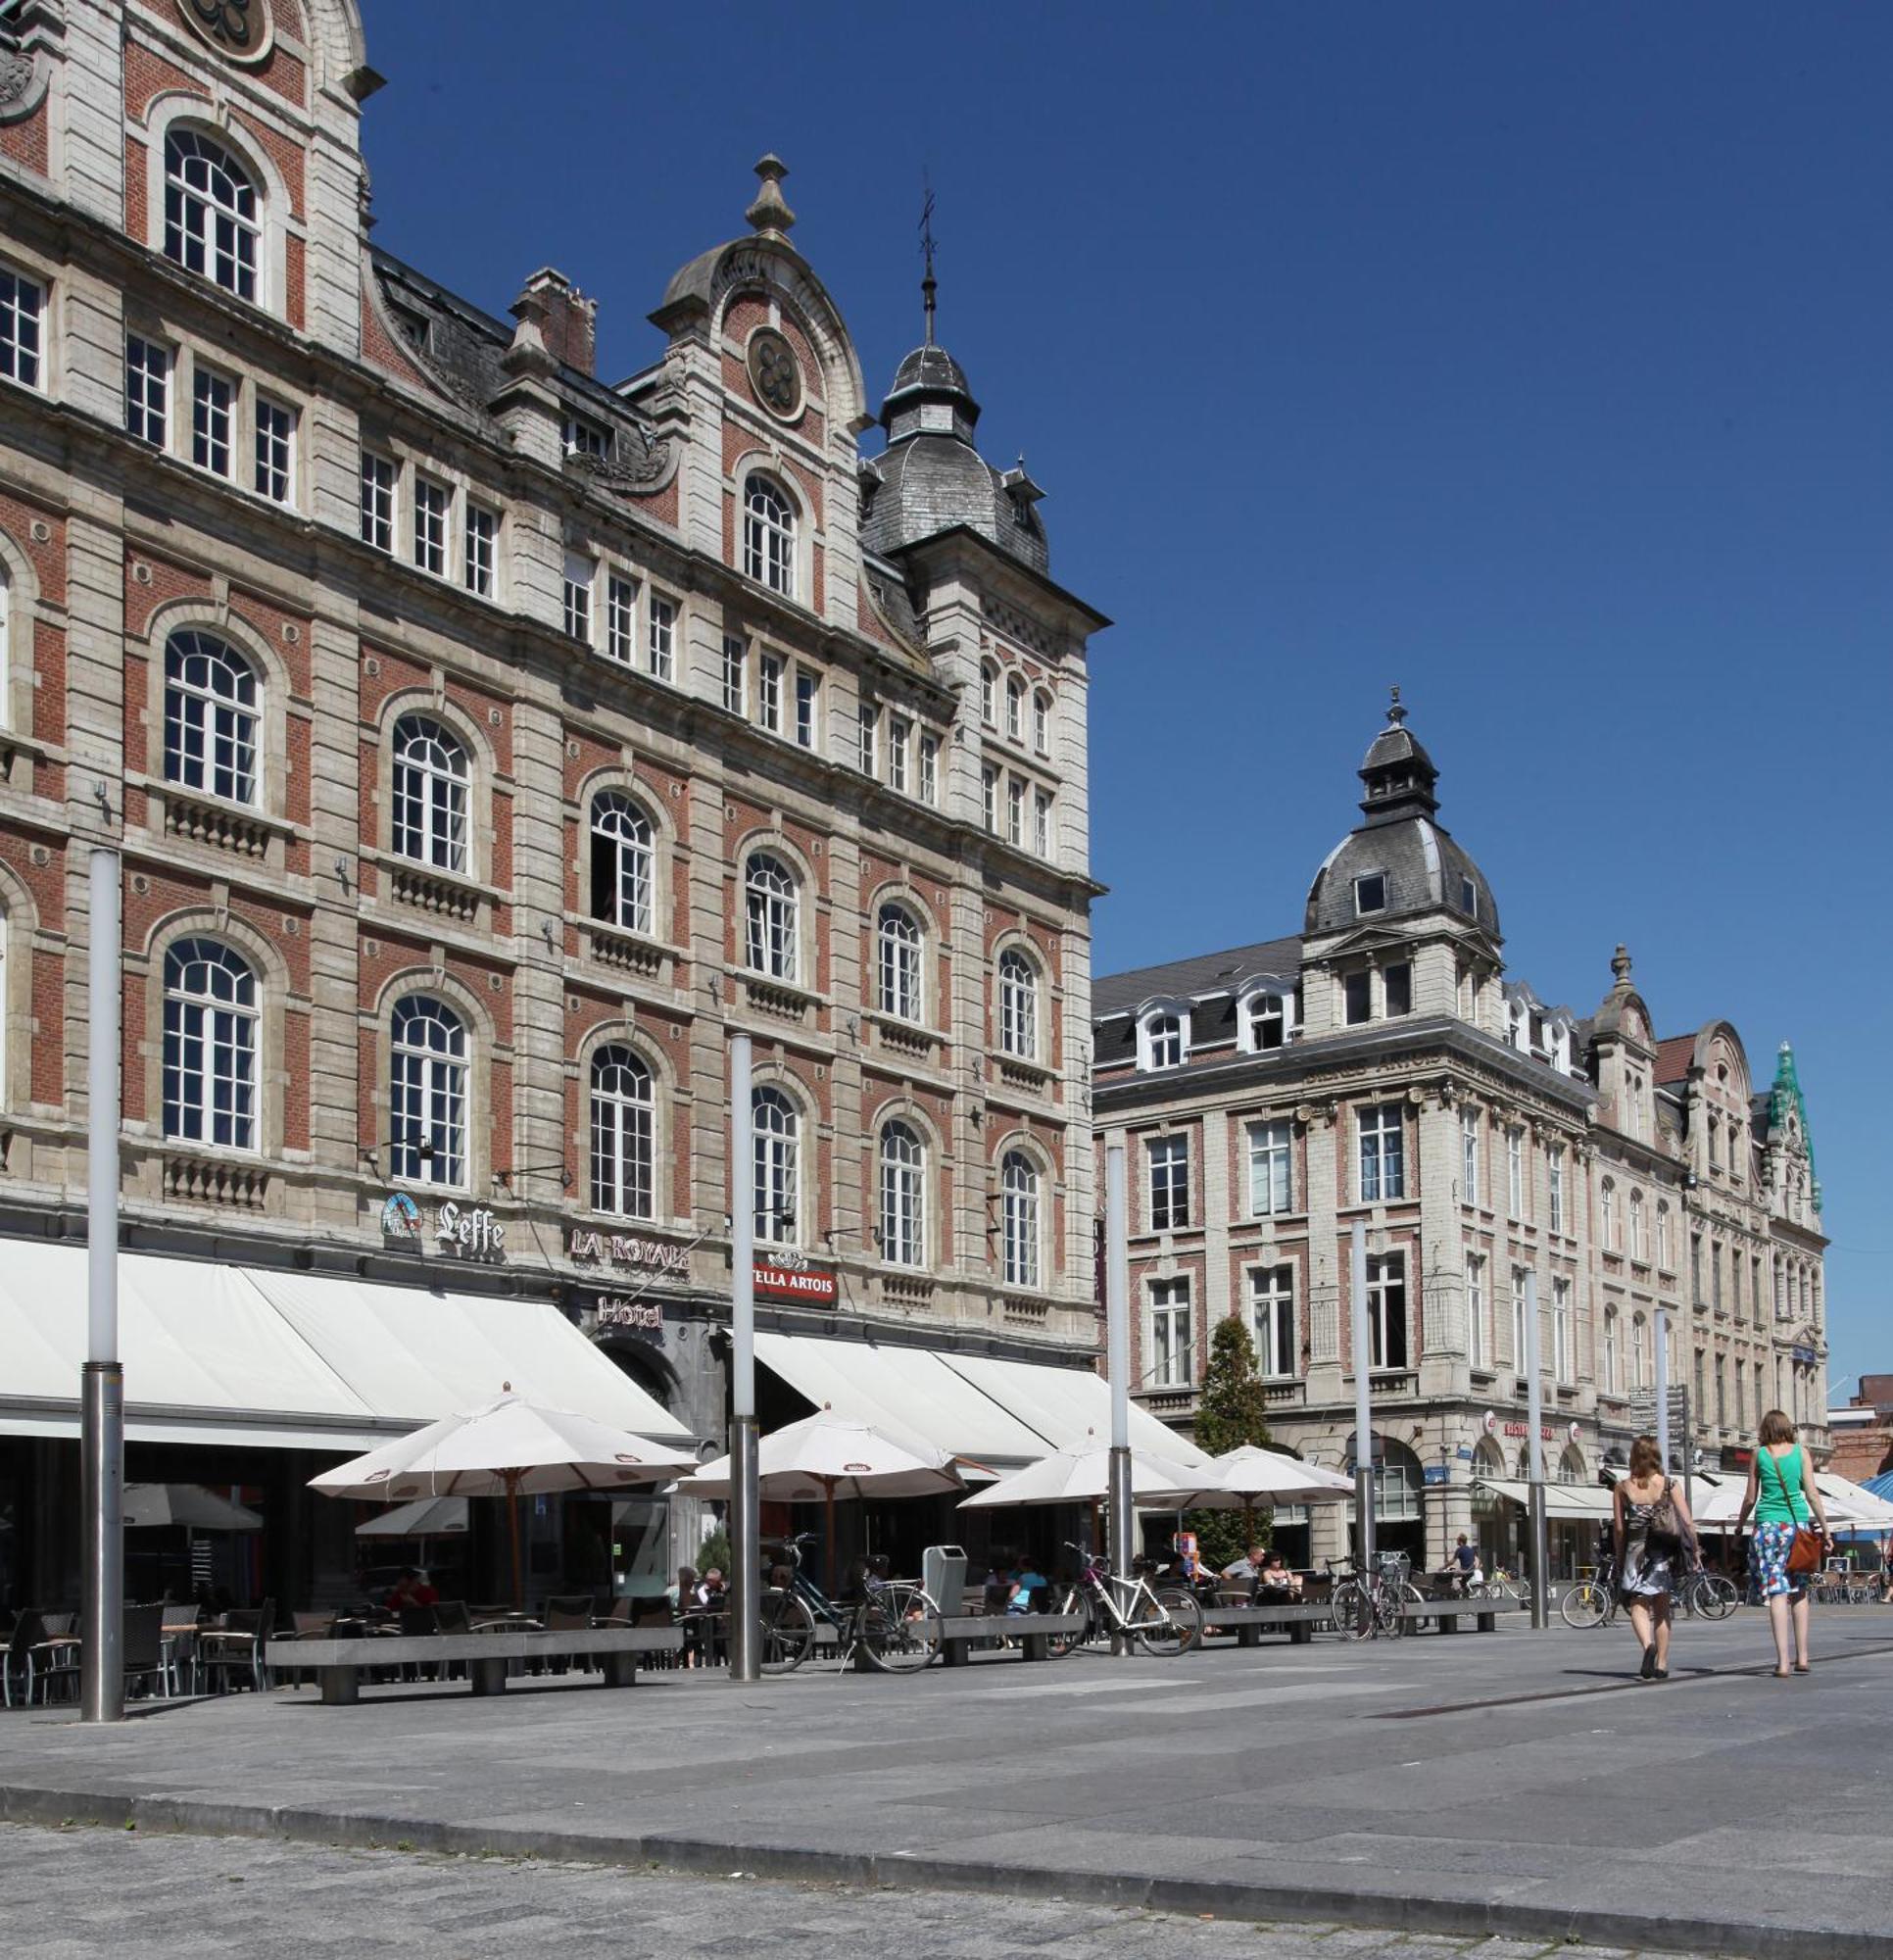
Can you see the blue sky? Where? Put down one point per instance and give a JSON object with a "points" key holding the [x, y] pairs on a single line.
{"points": [[1536, 359]]}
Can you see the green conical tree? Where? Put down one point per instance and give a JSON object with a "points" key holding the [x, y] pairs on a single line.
{"points": [[1232, 1410]]}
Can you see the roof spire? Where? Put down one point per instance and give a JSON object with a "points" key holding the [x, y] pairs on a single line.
{"points": [[1396, 713], [770, 215], [929, 285]]}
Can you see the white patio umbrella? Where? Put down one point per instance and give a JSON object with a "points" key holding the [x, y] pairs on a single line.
{"points": [[824, 1457], [150, 1504], [1083, 1477], [508, 1446], [1249, 1477], [424, 1517]]}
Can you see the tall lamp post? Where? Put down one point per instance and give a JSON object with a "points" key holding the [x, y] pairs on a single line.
{"points": [[1117, 1352], [746, 1520], [1363, 1397], [1534, 1423], [102, 1384]]}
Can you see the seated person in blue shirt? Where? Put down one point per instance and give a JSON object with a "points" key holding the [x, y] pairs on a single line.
{"points": [[1027, 1579]]}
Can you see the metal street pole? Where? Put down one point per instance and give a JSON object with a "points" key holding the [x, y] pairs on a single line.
{"points": [[746, 1520], [1363, 1401], [1662, 1385], [1535, 1424], [102, 1385], [1117, 1354]]}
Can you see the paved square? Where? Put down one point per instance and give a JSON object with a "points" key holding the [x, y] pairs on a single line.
{"points": [[1512, 1784]]}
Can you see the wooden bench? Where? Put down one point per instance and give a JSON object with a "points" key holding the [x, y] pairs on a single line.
{"points": [[339, 1664], [960, 1633], [1446, 1614], [1249, 1622]]}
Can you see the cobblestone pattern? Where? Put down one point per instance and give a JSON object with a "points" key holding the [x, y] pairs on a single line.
{"points": [[77, 1893]]}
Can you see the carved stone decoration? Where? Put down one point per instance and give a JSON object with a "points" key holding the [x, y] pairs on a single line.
{"points": [[774, 372], [241, 31], [18, 74]]}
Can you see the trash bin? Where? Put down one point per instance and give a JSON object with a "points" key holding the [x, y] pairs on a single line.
{"points": [[943, 1576]]}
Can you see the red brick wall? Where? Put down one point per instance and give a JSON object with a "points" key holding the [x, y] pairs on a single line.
{"points": [[26, 142]]}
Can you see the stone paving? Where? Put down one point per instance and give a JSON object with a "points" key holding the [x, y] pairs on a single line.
{"points": [[76, 1894], [1517, 1784]]}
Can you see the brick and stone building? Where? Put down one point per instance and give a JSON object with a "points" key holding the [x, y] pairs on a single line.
{"points": [[1383, 1066], [486, 740]]}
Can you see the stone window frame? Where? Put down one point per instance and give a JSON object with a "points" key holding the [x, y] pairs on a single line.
{"points": [[908, 1115], [772, 471], [482, 770], [273, 686], [1254, 1298], [175, 109], [1022, 1143], [1034, 1056], [1148, 1037], [664, 1125], [785, 1083], [483, 1050], [768, 843], [18, 942], [618, 780], [19, 610], [274, 999]]}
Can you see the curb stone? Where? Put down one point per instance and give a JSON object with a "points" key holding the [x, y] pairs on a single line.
{"points": [[1465, 1919]]}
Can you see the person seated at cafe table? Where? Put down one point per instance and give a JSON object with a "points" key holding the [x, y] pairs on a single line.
{"points": [[411, 1590], [1274, 1577], [710, 1590], [1249, 1566], [1026, 1580]]}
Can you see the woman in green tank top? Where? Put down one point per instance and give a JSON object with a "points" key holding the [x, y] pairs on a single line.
{"points": [[1783, 1495]]}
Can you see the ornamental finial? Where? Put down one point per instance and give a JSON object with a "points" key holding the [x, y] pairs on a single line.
{"points": [[769, 214], [1620, 964], [1396, 713]]}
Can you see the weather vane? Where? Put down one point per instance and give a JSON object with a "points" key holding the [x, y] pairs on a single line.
{"points": [[928, 285]]}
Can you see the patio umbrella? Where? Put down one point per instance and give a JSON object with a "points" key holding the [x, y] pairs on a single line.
{"points": [[424, 1517], [1249, 1477], [825, 1458], [508, 1446], [1084, 1475], [147, 1505]]}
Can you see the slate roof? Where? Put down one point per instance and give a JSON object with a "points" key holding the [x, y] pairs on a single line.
{"points": [[928, 484], [1202, 973], [1423, 867]]}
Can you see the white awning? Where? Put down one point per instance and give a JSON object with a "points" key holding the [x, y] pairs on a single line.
{"points": [[1001, 1414], [239, 1357], [1564, 1504]]}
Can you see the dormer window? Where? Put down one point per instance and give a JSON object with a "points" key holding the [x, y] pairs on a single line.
{"points": [[1370, 894], [211, 218], [1162, 1040], [1468, 898], [585, 437], [1265, 1022], [768, 537], [1397, 989]]}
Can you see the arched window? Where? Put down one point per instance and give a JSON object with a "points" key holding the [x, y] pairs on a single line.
{"points": [[1018, 1006], [1639, 1353], [1400, 1482], [621, 1134], [989, 694], [903, 1197], [1019, 1193], [1610, 1216], [1570, 1466], [1662, 1236], [768, 537], [1611, 1382], [778, 1168], [1042, 722], [621, 862], [1015, 709], [1639, 1229], [899, 990], [211, 223], [210, 1045], [772, 909], [1265, 1022], [430, 780], [6, 648], [427, 1093], [209, 717], [1163, 1039]]}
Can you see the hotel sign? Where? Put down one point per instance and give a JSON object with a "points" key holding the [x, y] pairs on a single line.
{"points": [[617, 1248], [643, 1316]]}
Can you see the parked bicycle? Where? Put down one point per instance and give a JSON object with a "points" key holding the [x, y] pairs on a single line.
{"points": [[1504, 1585], [1592, 1602], [1707, 1595], [1163, 1620], [893, 1623], [1369, 1604]]}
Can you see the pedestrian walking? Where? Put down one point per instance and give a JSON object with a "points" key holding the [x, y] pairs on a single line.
{"points": [[1656, 1540], [1783, 1496]]}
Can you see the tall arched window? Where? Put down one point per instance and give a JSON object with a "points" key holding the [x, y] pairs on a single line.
{"points": [[427, 1091], [210, 1045], [1018, 1006], [430, 782], [6, 648], [899, 942], [771, 916], [1610, 1216], [1163, 1039], [621, 1134], [1019, 1196], [1639, 1353], [778, 1168], [903, 1197], [768, 537], [1639, 1229], [1015, 709], [209, 717], [1610, 1365], [621, 862], [210, 212]]}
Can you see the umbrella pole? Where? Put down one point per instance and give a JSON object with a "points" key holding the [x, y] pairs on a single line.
{"points": [[513, 1528], [828, 1520]]}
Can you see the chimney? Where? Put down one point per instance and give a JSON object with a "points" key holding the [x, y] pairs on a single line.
{"points": [[569, 322]]}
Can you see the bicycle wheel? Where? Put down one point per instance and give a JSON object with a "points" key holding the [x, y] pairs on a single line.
{"points": [[1058, 1645], [1353, 1615], [1585, 1605], [1166, 1622], [788, 1631], [899, 1627], [1716, 1597]]}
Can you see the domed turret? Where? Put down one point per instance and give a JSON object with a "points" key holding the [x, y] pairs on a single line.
{"points": [[1399, 862]]}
